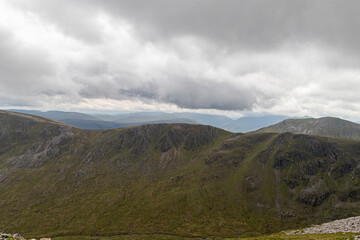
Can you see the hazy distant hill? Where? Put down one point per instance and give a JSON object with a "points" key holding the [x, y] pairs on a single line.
{"points": [[247, 124], [206, 119], [106, 121], [59, 115], [327, 126], [86, 121], [94, 124], [98, 124], [244, 124], [106, 117], [188, 180]]}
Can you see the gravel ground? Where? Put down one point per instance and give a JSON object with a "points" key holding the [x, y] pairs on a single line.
{"points": [[347, 225]]}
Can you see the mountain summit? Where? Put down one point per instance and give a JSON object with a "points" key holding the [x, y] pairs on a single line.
{"points": [[327, 126]]}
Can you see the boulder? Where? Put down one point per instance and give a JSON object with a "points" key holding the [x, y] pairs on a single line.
{"points": [[17, 236]]}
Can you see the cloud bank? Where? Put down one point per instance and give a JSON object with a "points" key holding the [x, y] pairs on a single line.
{"points": [[281, 57]]}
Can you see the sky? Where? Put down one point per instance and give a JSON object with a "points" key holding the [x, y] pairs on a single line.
{"points": [[249, 57]]}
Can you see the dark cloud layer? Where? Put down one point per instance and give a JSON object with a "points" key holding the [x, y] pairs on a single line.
{"points": [[185, 93], [259, 24], [250, 24]]}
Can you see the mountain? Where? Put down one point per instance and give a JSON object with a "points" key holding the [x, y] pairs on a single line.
{"points": [[106, 117], [98, 124], [144, 117], [243, 124], [178, 179], [94, 124], [106, 121], [247, 124], [58, 115], [85, 121], [327, 126], [205, 119]]}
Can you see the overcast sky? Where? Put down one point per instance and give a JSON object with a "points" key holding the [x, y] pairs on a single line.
{"points": [[292, 57]]}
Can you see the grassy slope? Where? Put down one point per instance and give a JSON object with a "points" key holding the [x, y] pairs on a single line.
{"points": [[186, 180]]}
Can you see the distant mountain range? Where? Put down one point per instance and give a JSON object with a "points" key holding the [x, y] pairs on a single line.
{"points": [[327, 126], [177, 179], [87, 121], [104, 121], [247, 124], [58, 115]]}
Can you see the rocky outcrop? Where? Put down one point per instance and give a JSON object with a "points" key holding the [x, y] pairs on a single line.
{"points": [[16, 236]]}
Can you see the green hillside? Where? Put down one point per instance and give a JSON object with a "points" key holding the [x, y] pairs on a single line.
{"points": [[174, 179], [327, 126]]}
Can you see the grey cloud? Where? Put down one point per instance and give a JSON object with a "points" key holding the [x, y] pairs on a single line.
{"points": [[180, 90], [10, 101], [27, 74], [240, 35], [75, 20], [245, 23], [21, 67], [203, 94], [101, 80], [250, 24]]}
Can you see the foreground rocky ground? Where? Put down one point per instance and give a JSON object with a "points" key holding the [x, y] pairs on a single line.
{"points": [[347, 225], [333, 236], [343, 229], [16, 236]]}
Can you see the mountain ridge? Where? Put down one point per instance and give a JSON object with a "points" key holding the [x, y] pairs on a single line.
{"points": [[182, 179], [90, 122], [104, 121], [326, 126]]}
